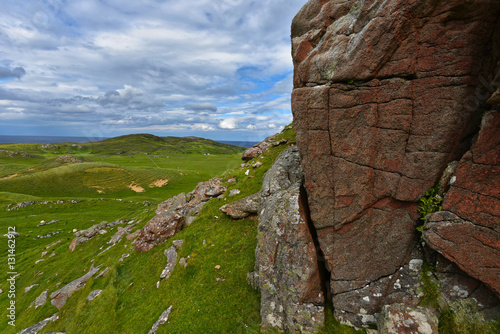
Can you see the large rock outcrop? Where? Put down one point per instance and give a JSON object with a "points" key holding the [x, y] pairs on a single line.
{"points": [[287, 271], [468, 232], [386, 94], [174, 213]]}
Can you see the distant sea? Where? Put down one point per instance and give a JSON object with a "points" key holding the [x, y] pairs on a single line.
{"points": [[57, 139]]}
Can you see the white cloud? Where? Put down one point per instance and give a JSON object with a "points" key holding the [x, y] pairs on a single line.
{"points": [[228, 123], [158, 66]]}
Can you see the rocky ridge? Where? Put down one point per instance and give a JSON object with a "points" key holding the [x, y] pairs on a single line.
{"points": [[386, 95]]}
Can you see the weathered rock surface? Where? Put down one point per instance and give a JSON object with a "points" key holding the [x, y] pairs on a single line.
{"points": [[172, 214], [401, 319], [386, 94], [475, 192], [475, 249], [468, 232], [120, 233], [85, 235], [287, 271], [36, 328], [161, 320], [256, 150], [93, 294], [243, 208], [60, 296], [158, 230], [171, 254], [456, 285], [262, 147], [42, 299]]}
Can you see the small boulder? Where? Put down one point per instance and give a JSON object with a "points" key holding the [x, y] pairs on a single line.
{"points": [[171, 255], [234, 192], [94, 294], [242, 208], [161, 320], [401, 319], [158, 230], [36, 328], [41, 299], [257, 164], [123, 257], [60, 296]]}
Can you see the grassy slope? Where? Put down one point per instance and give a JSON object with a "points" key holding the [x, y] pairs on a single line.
{"points": [[37, 171], [131, 302]]}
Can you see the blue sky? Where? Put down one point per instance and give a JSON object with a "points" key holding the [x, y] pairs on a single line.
{"points": [[101, 68]]}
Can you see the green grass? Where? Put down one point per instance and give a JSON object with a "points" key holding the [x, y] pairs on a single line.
{"points": [[111, 166], [203, 299]]}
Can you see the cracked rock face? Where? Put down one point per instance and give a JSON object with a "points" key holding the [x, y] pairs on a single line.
{"points": [[400, 319], [287, 271], [468, 231], [60, 296], [386, 94]]}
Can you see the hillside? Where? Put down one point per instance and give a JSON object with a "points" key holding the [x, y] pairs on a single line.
{"points": [[121, 166], [207, 289]]}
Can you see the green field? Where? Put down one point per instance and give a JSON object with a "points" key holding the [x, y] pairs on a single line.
{"points": [[203, 299], [122, 167]]}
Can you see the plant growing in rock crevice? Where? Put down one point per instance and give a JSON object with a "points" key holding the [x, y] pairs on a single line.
{"points": [[430, 202], [462, 317]]}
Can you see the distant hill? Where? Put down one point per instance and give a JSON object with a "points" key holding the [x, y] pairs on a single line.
{"points": [[128, 145], [147, 143]]}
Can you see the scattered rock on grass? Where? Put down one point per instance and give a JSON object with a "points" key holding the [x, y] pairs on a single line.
{"points": [[242, 208], [234, 192], [173, 214], [257, 164], [119, 234], [60, 296], [94, 294], [133, 235], [34, 329], [161, 320], [42, 299], [171, 255], [124, 256], [102, 273], [398, 318], [85, 235], [28, 288]]}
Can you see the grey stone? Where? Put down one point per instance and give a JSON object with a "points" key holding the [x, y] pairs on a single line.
{"points": [[177, 243], [242, 208], [92, 295], [60, 296], [42, 299], [286, 269], [119, 234], [234, 192], [161, 320], [36, 328], [123, 257], [28, 288], [171, 255], [401, 319]]}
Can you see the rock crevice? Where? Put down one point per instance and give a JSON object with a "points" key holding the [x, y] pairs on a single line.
{"points": [[386, 94]]}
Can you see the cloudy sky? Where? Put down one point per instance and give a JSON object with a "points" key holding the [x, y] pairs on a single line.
{"points": [[100, 68]]}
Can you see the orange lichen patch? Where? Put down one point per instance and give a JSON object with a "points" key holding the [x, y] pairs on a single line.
{"points": [[99, 189], [137, 188], [8, 176], [159, 183]]}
